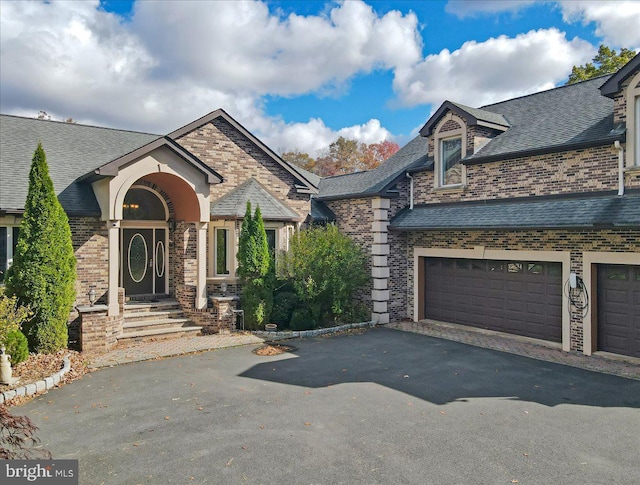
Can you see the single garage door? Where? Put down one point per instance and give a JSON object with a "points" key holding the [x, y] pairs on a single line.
{"points": [[519, 297], [619, 309]]}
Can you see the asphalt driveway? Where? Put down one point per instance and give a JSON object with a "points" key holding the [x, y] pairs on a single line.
{"points": [[383, 406]]}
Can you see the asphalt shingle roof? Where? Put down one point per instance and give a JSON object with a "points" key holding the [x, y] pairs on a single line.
{"points": [[234, 204], [320, 212], [72, 151], [584, 211], [561, 117]]}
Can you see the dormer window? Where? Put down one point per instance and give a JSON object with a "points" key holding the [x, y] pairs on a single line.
{"points": [[450, 137], [450, 156]]}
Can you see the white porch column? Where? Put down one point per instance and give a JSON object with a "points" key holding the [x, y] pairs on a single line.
{"points": [[201, 284], [380, 295], [114, 266]]}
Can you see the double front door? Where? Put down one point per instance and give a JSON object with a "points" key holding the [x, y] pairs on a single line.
{"points": [[144, 261]]}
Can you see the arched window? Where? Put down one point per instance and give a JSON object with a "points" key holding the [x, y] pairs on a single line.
{"points": [[141, 204]]}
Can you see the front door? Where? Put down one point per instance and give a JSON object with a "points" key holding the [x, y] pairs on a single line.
{"points": [[143, 261]]}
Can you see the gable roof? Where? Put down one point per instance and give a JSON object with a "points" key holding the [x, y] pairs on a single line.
{"points": [[308, 183], [473, 116], [555, 212], [112, 168], [564, 118], [612, 85], [233, 205], [380, 180], [72, 151]]}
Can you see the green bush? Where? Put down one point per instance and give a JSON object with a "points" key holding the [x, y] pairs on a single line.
{"points": [[17, 347], [301, 319], [43, 272], [283, 305], [12, 316], [327, 270]]}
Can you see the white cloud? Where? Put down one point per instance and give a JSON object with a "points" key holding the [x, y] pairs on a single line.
{"points": [[173, 62], [472, 8], [618, 23], [484, 72], [313, 136]]}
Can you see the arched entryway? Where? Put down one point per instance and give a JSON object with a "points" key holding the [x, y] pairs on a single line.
{"points": [[144, 262]]}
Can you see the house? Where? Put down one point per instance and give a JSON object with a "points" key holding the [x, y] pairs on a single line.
{"points": [[521, 216], [152, 215]]}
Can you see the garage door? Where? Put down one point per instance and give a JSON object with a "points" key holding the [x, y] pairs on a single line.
{"points": [[519, 297], [619, 309]]}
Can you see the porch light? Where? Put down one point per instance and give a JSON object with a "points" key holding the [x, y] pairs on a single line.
{"points": [[92, 295]]}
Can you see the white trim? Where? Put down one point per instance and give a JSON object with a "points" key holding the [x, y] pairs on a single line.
{"points": [[146, 257], [230, 226], [479, 252], [589, 322], [632, 98], [9, 243]]}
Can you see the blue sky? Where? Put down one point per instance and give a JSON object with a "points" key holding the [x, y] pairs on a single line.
{"points": [[296, 73]]}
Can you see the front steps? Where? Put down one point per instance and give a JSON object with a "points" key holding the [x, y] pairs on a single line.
{"points": [[155, 320]]}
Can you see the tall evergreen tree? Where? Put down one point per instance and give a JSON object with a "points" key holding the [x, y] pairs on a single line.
{"points": [[43, 272], [255, 270]]}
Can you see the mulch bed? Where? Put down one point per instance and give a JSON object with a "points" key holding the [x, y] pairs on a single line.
{"points": [[39, 366], [273, 349]]}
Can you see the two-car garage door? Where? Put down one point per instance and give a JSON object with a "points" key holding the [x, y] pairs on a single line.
{"points": [[518, 297]]}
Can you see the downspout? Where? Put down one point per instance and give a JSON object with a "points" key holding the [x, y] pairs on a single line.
{"points": [[618, 147], [410, 191]]}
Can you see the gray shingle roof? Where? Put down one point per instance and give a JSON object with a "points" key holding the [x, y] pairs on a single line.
{"points": [[72, 151], [320, 212], [234, 204], [378, 180], [555, 119], [584, 211]]}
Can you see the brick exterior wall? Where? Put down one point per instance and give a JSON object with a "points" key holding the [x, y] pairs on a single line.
{"points": [[586, 170], [223, 148], [90, 239], [354, 218]]}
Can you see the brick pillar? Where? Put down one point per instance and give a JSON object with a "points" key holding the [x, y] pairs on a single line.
{"points": [[380, 265]]}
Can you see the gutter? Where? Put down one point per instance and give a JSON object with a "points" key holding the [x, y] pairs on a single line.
{"points": [[410, 191], [618, 147]]}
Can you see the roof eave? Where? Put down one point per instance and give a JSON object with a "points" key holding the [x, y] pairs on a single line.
{"points": [[612, 85], [112, 168]]}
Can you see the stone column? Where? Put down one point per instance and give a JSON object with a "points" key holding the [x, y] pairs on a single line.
{"points": [[114, 267], [380, 266], [201, 258]]}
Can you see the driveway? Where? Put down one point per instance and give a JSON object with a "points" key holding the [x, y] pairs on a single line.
{"points": [[383, 406]]}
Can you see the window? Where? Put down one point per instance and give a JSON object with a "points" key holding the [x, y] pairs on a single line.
{"points": [[450, 156], [8, 242], [271, 240], [222, 251], [449, 149]]}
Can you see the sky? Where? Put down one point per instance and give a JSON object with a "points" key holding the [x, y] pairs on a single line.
{"points": [[297, 74]]}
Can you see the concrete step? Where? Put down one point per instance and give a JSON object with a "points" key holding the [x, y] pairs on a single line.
{"points": [[157, 315], [159, 323], [146, 307], [158, 334]]}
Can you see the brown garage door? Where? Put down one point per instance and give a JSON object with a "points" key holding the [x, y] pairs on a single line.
{"points": [[619, 309], [519, 297]]}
